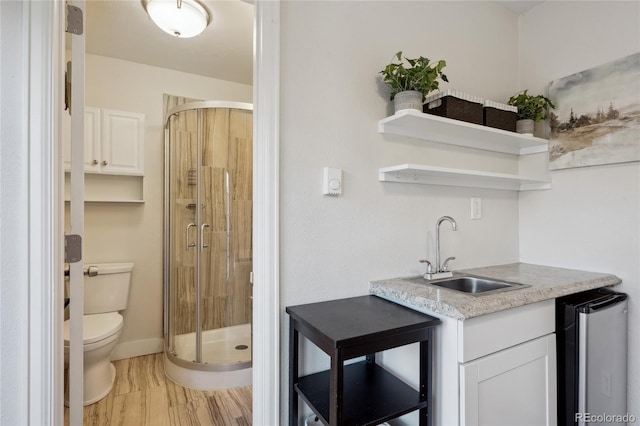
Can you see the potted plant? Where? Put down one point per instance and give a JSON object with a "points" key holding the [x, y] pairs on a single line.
{"points": [[530, 109], [418, 78]]}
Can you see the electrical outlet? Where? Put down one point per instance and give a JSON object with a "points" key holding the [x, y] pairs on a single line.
{"points": [[476, 208]]}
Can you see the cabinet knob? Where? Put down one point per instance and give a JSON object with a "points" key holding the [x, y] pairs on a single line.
{"points": [[104, 163], [94, 162]]}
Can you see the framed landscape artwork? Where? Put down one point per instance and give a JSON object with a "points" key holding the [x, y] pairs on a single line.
{"points": [[597, 116]]}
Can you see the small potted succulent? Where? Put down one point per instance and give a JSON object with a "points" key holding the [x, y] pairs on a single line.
{"points": [[530, 109], [411, 83]]}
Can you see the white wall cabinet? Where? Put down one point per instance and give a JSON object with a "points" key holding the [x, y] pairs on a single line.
{"points": [[113, 155], [113, 144]]}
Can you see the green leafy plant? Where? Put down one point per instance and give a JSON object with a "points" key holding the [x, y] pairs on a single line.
{"points": [[531, 107], [420, 75]]}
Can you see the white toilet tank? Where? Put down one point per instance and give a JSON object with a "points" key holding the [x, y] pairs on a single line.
{"points": [[108, 291]]}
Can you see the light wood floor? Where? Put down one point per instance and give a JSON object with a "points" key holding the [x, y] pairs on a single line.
{"points": [[143, 395]]}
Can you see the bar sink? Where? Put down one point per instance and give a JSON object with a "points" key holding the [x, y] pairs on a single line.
{"points": [[475, 285]]}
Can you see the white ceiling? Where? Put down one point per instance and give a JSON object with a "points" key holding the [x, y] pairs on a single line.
{"points": [[122, 29]]}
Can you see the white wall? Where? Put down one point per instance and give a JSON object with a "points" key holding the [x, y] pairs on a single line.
{"points": [[591, 218], [133, 233], [330, 105]]}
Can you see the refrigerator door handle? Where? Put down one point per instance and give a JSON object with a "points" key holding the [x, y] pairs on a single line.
{"points": [[604, 302]]}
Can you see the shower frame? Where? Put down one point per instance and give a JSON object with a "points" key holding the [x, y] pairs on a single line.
{"points": [[194, 364]]}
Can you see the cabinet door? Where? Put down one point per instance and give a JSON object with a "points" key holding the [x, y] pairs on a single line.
{"points": [[122, 143], [91, 140], [516, 386]]}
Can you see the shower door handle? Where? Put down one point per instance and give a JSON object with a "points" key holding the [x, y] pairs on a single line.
{"points": [[189, 245], [202, 244]]}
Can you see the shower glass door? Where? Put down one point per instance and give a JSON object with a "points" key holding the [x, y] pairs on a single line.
{"points": [[183, 232], [209, 190]]}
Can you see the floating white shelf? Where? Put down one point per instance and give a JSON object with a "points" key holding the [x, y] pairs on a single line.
{"points": [[414, 173], [415, 124]]}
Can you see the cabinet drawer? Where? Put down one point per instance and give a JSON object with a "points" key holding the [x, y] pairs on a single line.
{"points": [[487, 334]]}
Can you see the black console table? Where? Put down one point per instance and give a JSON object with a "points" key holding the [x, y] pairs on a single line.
{"points": [[362, 393]]}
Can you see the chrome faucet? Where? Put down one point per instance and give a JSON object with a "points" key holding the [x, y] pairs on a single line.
{"points": [[441, 270], [454, 226]]}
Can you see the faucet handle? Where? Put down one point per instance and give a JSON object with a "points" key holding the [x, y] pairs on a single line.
{"points": [[429, 267], [445, 265]]}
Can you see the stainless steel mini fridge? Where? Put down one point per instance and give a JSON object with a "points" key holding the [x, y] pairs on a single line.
{"points": [[591, 333]]}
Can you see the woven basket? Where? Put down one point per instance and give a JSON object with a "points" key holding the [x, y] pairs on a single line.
{"points": [[500, 116], [452, 106]]}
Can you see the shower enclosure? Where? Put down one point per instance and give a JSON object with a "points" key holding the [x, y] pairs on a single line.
{"points": [[208, 225]]}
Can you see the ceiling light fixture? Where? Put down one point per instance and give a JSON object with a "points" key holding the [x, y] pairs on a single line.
{"points": [[180, 18]]}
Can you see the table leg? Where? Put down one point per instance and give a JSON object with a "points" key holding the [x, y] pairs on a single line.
{"points": [[293, 373], [336, 389], [426, 379]]}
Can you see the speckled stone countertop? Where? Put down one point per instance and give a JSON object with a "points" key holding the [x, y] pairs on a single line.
{"points": [[544, 283]]}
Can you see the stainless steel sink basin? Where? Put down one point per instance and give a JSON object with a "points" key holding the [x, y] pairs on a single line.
{"points": [[475, 285]]}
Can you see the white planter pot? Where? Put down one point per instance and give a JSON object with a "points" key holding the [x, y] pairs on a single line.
{"points": [[409, 99], [541, 129], [525, 127]]}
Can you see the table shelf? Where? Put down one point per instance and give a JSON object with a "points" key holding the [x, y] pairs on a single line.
{"points": [[372, 395]]}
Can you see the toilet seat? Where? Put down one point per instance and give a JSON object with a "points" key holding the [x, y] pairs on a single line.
{"points": [[96, 327]]}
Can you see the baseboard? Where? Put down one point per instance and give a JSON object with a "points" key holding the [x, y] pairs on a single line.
{"points": [[137, 348]]}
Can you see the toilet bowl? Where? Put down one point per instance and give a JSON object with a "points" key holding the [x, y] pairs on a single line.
{"points": [[100, 337], [105, 293]]}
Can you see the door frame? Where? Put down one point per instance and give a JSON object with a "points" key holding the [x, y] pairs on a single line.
{"points": [[266, 229], [42, 28], [32, 213]]}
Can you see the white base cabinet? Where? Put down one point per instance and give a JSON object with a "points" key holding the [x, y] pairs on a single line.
{"points": [[496, 369], [516, 386]]}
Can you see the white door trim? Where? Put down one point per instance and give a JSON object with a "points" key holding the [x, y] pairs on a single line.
{"points": [[266, 279], [42, 37]]}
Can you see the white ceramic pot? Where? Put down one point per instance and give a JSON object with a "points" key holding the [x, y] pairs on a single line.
{"points": [[409, 99], [541, 129], [525, 127]]}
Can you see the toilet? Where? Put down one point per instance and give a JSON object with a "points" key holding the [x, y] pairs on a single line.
{"points": [[106, 291]]}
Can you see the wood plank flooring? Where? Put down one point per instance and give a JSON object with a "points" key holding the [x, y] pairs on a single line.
{"points": [[143, 395]]}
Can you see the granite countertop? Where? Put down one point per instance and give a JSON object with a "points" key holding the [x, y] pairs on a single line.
{"points": [[544, 283]]}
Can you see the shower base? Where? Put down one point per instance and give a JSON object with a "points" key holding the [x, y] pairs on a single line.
{"points": [[226, 359]]}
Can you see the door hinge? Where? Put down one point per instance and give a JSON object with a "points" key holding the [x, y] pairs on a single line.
{"points": [[72, 248], [74, 20]]}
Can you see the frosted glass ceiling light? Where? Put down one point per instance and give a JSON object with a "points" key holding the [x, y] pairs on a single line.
{"points": [[180, 18]]}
